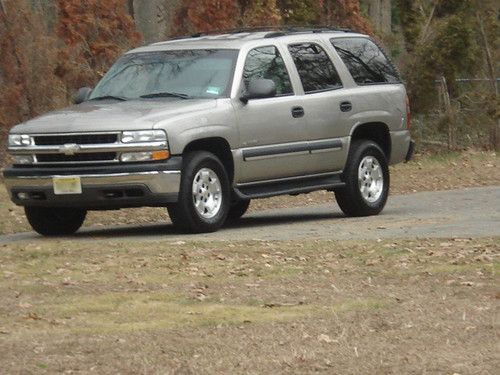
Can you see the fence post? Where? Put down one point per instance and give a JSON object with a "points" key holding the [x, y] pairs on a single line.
{"points": [[449, 113]]}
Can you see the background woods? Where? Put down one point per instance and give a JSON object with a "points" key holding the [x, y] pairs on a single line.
{"points": [[444, 49]]}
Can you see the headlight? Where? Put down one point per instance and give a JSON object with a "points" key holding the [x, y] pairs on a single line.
{"points": [[17, 140], [144, 136]]}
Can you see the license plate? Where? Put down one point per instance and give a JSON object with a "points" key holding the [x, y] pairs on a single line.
{"points": [[67, 185]]}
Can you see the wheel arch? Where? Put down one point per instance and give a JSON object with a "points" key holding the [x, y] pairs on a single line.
{"points": [[216, 145], [377, 132]]}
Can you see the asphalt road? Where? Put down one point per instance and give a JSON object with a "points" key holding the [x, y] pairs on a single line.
{"points": [[473, 212]]}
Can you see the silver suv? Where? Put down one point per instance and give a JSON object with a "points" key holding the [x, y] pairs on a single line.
{"points": [[202, 125]]}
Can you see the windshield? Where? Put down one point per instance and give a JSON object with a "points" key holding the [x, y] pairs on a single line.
{"points": [[182, 74]]}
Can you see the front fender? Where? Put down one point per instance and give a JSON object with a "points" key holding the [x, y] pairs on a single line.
{"points": [[180, 140]]}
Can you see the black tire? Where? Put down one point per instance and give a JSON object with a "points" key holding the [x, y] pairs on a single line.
{"points": [[54, 221], [184, 214], [350, 198], [237, 210]]}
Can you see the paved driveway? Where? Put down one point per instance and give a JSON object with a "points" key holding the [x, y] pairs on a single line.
{"points": [[473, 212]]}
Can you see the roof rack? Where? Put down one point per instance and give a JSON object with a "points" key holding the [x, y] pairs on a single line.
{"points": [[274, 31], [304, 30]]}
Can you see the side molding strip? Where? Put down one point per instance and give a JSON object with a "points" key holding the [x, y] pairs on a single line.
{"points": [[292, 149]]}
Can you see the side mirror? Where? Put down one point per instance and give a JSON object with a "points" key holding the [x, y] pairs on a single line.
{"points": [[258, 89], [82, 95]]}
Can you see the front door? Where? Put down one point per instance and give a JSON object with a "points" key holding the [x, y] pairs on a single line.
{"points": [[273, 135]]}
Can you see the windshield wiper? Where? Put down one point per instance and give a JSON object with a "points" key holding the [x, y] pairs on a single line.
{"points": [[105, 97], [166, 95]]}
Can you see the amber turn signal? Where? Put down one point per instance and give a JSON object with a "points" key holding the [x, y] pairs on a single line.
{"points": [[160, 155]]}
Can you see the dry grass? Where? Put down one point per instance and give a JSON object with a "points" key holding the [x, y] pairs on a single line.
{"points": [[426, 173], [405, 306]]}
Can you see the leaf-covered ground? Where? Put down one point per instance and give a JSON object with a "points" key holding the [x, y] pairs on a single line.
{"points": [[425, 173], [163, 307]]}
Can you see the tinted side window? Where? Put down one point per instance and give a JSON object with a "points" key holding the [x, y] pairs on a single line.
{"points": [[267, 63], [366, 61], [315, 68]]}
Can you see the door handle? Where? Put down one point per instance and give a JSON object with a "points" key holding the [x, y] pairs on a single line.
{"points": [[298, 112], [346, 106]]}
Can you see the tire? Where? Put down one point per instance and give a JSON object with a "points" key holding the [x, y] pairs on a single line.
{"points": [[237, 210], [204, 209], [367, 180], [53, 221]]}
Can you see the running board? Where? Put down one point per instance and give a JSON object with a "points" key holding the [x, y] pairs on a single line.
{"points": [[288, 187]]}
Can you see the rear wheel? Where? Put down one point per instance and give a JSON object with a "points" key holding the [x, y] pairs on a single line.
{"points": [[53, 221], [204, 195], [237, 210], [366, 176]]}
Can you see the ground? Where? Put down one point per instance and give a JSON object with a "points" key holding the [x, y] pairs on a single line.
{"points": [[378, 307], [317, 293]]}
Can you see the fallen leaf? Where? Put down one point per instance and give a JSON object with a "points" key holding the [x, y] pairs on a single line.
{"points": [[33, 316], [325, 338], [467, 283]]}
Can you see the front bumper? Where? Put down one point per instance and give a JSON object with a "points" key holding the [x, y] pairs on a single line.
{"points": [[103, 187]]}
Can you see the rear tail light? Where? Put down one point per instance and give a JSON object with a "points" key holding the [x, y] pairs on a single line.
{"points": [[408, 113]]}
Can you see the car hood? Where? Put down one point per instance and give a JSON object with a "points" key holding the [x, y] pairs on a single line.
{"points": [[111, 115]]}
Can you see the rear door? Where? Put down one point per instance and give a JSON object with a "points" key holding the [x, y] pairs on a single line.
{"points": [[273, 134], [327, 123]]}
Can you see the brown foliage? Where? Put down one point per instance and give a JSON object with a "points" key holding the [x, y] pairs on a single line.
{"points": [[212, 15], [301, 12], [37, 71], [205, 15], [262, 13], [95, 33], [27, 62], [345, 13]]}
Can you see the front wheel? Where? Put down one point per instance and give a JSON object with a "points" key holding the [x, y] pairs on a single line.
{"points": [[204, 195], [52, 221], [366, 176], [237, 210]]}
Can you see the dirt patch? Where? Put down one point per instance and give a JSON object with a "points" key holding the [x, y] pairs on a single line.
{"points": [[387, 307], [425, 173]]}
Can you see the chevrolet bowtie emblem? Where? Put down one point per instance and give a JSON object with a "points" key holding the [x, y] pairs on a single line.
{"points": [[69, 149]]}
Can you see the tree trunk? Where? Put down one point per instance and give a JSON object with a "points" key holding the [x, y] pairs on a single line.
{"points": [[150, 18], [495, 136], [380, 13], [449, 113], [386, 16], [495, 128], [374, 12], [425, 30], [130, 6]]}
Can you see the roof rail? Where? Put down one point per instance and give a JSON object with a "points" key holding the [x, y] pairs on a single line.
{"points": [[274, 31], [289, 30]]}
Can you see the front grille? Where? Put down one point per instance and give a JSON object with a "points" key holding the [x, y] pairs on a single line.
{"points": [[81, 139], [77, 158]]}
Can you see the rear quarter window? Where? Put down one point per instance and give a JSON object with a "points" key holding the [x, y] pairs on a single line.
{"points": [[366, 61]]}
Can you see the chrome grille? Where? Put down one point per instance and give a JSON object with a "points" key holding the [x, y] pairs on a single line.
{"points": [[80, 139], [77, 158], [81, 149], [57, 155]]}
